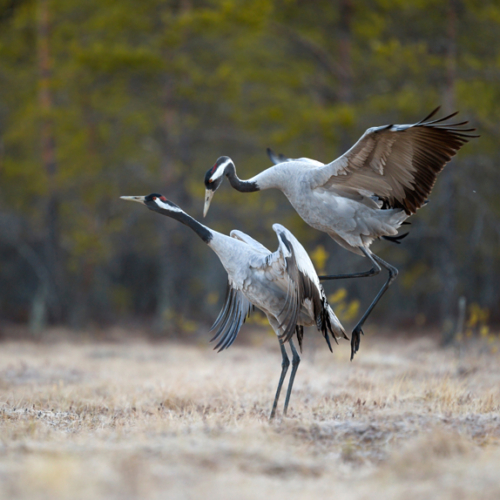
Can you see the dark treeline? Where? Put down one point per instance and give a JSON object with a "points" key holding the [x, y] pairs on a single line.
{"points": [[102, 98]]}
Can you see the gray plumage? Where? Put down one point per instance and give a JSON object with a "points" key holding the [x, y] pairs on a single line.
{"points": [[365, 194], [283, 284]]}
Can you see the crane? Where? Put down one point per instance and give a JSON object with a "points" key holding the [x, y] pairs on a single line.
{"points": [[283, 284], [365, 194]]}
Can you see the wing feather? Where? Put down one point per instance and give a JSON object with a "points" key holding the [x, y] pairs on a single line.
{"points": [[291, 270], [223, 311], [397, 163], [276, 159], [234, 312], [240, 235], [303, 285], [226, 320]]}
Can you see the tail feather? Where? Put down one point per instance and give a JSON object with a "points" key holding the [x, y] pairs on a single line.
{"points": [[300, 335], [395, 239], [328, 323], [335, 325]]}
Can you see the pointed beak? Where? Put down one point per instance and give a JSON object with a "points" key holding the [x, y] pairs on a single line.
{"points": [[209, 194], [138, 199]]}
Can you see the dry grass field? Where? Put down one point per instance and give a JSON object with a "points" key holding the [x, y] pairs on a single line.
{"points": [[405, 420]]}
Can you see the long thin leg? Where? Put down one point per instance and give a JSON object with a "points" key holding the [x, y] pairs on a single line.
{"points": [[295, 365], [393, 272], [372, 272], [285, 363]]}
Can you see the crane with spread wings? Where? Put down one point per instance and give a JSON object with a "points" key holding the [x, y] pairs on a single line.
{"points": [[365, 194], [283, 284]]}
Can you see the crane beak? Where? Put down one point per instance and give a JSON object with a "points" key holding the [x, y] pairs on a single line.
{"points": [[209, 194], [138, 199]]}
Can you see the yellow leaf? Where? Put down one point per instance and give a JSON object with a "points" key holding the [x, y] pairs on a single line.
{"points": [[339, 295], [319, 257]]}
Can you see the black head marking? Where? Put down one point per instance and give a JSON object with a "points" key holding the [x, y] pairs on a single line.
{"points": [[209, 184], [215, 174], [154, 196], [151, 201]]}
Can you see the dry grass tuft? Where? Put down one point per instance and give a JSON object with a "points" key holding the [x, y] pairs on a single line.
{"points": [[102, 421]]}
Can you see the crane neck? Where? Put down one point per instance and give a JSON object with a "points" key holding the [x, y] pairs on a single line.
{"points": [[202, 231], [274, 177], [248, 186]]}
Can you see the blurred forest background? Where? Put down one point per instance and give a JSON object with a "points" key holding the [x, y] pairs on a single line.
{"points": [[106, 98]]}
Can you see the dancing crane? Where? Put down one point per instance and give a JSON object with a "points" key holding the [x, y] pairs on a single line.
{"points": [[365, 194], [283, 284]]}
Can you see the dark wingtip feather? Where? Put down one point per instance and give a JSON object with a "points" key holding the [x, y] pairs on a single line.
{"points": [[355, 341], [430, 115], [300, 335], [439, 120], [396, 239], [458, 124], [273, 157], [328, 342]]}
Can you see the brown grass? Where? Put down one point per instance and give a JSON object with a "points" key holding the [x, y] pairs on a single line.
{"points": [[118, 421]]}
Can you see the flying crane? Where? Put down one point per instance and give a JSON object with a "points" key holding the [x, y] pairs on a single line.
{"points": [[365, 194]]}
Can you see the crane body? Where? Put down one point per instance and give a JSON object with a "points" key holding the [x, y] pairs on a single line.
{"points": [[283, 284], [365, 194]]}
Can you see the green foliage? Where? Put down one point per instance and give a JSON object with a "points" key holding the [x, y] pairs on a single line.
{"points": [[146, 96]]}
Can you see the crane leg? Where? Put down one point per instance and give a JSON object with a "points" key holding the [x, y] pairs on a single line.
{"points": [[295, 365], [372, 272], [393, 272], [285, 363]]}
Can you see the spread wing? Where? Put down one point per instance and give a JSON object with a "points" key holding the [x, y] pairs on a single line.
{"points": [[234, 312], [259, 247], [236, 306], [397, 163], [303, 284], [281, 159]]}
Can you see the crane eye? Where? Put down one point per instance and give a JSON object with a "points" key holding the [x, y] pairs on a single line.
{"points": [[154, 198]]}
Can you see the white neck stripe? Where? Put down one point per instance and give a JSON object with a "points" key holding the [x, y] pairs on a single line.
{"points": [[220, 170], [165, 206]]}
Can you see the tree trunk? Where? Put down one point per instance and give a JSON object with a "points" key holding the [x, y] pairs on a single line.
{"points": [[48, 150], [447, 255], [345, 66], [165, 306]]}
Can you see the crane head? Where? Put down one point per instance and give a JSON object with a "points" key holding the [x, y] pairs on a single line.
{"points": [[214, 178], [154, 201]]}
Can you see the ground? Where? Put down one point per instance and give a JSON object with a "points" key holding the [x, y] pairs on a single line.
{"points": [[406, 419]]}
